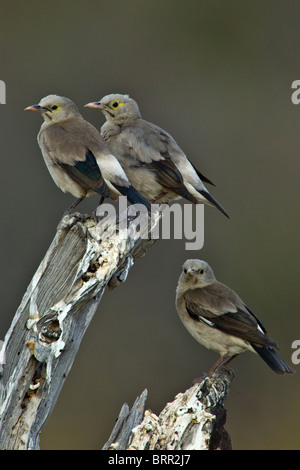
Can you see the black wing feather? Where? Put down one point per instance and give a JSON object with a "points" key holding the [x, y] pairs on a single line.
{"points": [[239, 323], [88, 174]]}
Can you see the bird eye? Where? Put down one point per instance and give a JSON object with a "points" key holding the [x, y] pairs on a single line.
{"points": [[201, 271], [185, 271], [115, 104], [55, 108]]}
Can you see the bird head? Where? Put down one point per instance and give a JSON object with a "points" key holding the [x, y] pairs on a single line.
{"points": [[55, 108], [117, 108], [196, 273]]}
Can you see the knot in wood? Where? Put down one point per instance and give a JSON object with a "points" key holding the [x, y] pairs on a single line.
{"points": [[49, 329]]}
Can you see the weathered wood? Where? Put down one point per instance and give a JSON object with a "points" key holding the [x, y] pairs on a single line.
{"points": [[44, 337], [126, 422], [193, 421]]}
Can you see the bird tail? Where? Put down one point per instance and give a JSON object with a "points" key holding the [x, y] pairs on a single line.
{"points": [[270, 356], [133, 196], [214, 202]]}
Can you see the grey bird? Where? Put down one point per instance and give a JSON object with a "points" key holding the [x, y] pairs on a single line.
{"points": [[153, 161], [77, 157], [219, 320]]}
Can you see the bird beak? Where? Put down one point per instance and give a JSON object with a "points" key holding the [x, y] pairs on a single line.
{"points": [[190, 272], [95, 104], [34, 107]]}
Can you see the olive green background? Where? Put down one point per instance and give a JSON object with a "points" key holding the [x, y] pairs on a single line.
{"points": [[217, 75]]}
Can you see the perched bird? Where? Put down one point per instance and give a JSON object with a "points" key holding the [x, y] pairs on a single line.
{"points": [[153, 161], [76, 155], [219, 320]]}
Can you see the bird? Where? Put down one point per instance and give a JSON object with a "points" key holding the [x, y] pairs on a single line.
{"points": [[153, 161], [219, 320], [77, 157]]}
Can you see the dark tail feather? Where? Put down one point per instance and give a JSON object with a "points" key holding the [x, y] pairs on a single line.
{"points": [[214, 202], [270, 356], [133, 196]]}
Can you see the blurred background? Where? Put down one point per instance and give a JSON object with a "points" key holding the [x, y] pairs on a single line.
{"points": [[216, 75]]}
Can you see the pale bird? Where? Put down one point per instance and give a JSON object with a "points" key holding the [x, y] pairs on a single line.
{"points": [[219, 320], [77, 157], [153, 161]]}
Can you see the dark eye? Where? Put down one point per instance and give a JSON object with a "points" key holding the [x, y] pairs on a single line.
{"points": [[54, 107], [115, 104], [201, 271], [185, 271]]}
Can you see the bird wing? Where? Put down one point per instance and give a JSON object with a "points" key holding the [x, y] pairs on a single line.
{"points": [[163, 145], [88, 174], [168, 175], [219, 307], [151, 147], [73, 156]]}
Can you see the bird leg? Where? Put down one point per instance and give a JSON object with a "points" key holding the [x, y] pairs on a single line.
{"points": [[94, 213], [221, 362], [77, 201]]}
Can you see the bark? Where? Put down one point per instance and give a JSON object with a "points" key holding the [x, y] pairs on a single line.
{"points": [[41, 344], [194, 420]]}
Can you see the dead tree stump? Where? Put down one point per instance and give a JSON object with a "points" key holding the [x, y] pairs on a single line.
{"points": [[194, 420]]}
